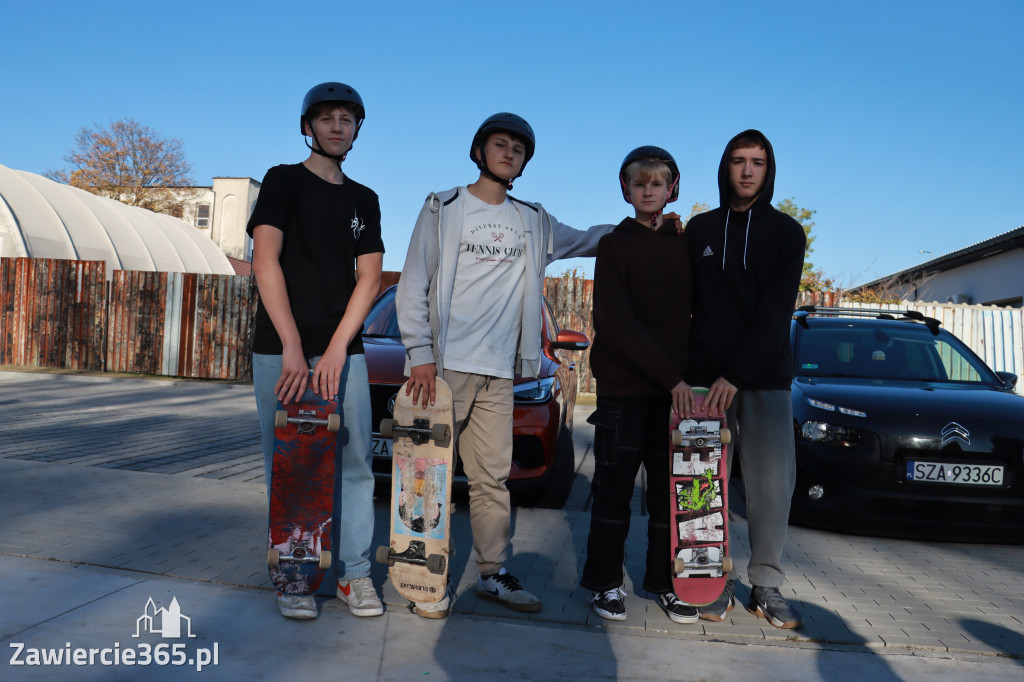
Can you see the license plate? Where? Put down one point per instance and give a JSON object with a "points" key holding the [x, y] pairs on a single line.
{"points": [[961, 474], [382, 447]]}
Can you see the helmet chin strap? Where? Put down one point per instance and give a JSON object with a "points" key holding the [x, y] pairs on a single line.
{"points": [[487, 172], [317, 150]]}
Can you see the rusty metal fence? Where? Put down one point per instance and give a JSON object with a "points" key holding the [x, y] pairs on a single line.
{"points": [[65, 314]]}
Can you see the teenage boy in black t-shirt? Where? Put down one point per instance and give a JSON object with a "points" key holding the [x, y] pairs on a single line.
{"points": [[310, 225]]}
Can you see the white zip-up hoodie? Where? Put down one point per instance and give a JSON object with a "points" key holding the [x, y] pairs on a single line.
{"points": [[424, 295]]}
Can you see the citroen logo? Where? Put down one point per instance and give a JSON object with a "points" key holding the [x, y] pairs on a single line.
{"points": [[953, 431], [391, 405]]}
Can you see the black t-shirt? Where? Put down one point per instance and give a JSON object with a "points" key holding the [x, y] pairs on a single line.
{"points": [[326, 227]]}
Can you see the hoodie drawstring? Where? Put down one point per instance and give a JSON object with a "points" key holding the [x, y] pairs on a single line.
{"points": [[725, 236], [746, 237]]}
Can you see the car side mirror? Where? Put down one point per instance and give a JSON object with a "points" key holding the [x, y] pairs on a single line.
{"points": [[568, 339], [1009, 379]]}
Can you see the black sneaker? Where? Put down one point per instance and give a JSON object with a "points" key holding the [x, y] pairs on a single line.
{"points": [[767, 603], [717, 609], [677, 611], [609, 604]]}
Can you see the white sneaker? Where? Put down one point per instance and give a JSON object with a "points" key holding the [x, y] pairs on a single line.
{"points": [[360, 596], [506, 590], [295, 606], [436, 609]]}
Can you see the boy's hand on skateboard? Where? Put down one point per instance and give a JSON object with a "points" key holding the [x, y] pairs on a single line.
{"points": [[294, 373], [327, 373], [719, 397], [421, 378], [682, 399]]}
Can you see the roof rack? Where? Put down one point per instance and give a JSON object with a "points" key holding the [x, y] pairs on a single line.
{"points": [[804, 311]]}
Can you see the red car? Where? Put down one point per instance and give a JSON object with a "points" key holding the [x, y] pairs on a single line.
{"points": [[543, 459]]}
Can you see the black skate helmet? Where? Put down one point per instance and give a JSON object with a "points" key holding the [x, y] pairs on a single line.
{"points": [[331, 92], [504, 122], [655, 153]]}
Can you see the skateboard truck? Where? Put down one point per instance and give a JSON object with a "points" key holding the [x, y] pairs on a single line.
{"points": [[701, 562], [307, 421], [415, 554], [419, 433], [300, 554]]}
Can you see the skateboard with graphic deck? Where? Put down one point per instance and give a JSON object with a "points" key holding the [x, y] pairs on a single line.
{"points": [[302, 493], [422, 460], [699, 491]]}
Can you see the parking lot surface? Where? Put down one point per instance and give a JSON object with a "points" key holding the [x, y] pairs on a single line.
{"points": [[118, 489]]}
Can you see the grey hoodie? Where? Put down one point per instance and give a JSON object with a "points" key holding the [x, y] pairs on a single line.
{"points": [[424, 295]]}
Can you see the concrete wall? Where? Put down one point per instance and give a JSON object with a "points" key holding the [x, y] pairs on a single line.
{"points": [[997, 280]]}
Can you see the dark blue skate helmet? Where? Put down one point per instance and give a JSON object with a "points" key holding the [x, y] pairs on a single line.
{"points": [[656, 154], [508, 123], [331, 92]]}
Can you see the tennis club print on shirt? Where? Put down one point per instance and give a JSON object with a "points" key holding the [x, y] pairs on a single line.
{"points": [[495, 244]]}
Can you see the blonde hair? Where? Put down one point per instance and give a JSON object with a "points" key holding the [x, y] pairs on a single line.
{"points": [[643, 170]]}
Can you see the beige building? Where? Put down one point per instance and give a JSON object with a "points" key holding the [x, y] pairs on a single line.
{"points": [[221, 212]]}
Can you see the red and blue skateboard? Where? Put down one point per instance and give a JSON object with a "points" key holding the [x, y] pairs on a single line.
{"points": [[302, 493]]}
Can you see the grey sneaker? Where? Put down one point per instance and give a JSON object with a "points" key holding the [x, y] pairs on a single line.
{"points": [[609, 604], [436, 609], [767, 603], [677, 611], [506, 590], [295, 606], [717, 609], [360, 596]]}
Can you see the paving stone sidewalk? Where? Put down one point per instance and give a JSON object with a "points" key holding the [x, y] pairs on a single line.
{"points": [[165, 478]]}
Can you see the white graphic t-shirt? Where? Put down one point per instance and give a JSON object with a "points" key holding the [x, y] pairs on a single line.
{"points": [[487, 302]]}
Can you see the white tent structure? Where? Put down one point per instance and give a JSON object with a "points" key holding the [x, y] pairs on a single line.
{"points": [[40, 218]]}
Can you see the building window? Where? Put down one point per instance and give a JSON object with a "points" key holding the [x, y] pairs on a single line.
{"points": [[203, 215]]}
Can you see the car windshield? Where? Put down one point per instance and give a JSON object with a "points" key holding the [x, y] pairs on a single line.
{"points": [[869, 352], [382, 319]]}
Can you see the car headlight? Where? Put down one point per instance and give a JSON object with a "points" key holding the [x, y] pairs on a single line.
{"points": [[830, 434], [829, 407], [538, 391]]}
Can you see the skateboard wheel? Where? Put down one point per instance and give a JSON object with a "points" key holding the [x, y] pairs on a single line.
{"points": [[387, 428], [677, 437], [436, 563], [440, 433], [725, 436], [273, 556], [280, 419], [727, 564], [325, 560], [333, 422], [384, 554], [678, 565]]}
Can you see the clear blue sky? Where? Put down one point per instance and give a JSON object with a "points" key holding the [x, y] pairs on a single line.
{"points": [[898, 122]]}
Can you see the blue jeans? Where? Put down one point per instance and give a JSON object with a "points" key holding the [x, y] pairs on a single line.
{"points": [[352, 525]]}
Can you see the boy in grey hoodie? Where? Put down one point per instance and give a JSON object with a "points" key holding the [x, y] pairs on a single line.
{"points": [[469, 307]]}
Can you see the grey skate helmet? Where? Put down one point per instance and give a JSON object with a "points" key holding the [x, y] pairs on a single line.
{"points": [[504, 122], [655, 153], [331, 92]]}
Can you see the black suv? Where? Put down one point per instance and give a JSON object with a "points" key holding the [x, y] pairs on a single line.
{"points": [[901, 430]]}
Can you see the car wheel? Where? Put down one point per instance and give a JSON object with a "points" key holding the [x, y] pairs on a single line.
{"points": [[559, 480]]}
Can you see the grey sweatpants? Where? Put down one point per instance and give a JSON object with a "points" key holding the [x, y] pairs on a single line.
{"points": [[762, 426]]}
